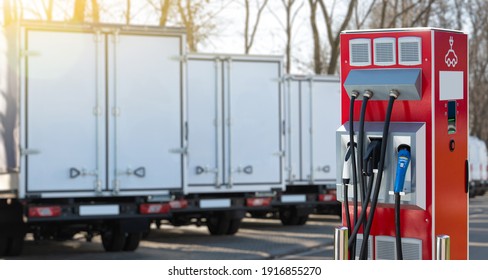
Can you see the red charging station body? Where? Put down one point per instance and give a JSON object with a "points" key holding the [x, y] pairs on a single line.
{"points": [[442, 56]]}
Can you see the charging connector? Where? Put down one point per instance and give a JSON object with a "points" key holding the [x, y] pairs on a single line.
{"points": [[372, 157], [401, 171], [402, 166]]}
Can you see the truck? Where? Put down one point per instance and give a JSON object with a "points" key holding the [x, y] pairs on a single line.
{"points": [[262, 143], [478, 165], [92, 130]]}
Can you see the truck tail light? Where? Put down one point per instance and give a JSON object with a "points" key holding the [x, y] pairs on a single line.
{"points": [[179, 204], [259, 201], [44, 211], [331, 196], [154, 208]]}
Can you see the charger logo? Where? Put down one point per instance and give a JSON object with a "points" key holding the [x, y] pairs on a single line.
{"points": [[451, 58]]}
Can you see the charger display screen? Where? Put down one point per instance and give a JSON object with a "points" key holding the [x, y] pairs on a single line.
{"points": [[451, 117]]}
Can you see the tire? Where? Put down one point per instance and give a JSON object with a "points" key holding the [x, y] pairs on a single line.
{"points": [[234, 226], [289, 217], [3, 246], [302, 220], [132, 241], [218, 224], [113, 240], [15, 246]]}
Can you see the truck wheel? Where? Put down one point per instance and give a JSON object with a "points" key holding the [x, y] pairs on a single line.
{"points": [[113, 240], [234, 226], [15, 245], [218, 224], [288, 217], [3, 246], [132, 241], [302, 220]]}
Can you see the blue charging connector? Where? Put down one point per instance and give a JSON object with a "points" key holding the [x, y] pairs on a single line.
{"points": [[402, 166]]}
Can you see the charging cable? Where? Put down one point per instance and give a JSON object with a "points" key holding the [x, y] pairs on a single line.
{"points": [[364, 247], [366, 97], [346, 177], [354, 96], [401, 171]]}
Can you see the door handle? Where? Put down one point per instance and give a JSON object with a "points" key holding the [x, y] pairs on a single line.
{"points": [[140, 172], [73, 173]]}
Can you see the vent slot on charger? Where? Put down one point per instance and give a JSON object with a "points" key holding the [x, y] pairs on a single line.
{"points": [[360, 52], [410, 50], [359, 243], [384, 51], [386, 248]]}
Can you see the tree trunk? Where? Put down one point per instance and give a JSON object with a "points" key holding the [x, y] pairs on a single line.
{"points": [[246, 26], [317, 50], [95, 11], [165, 7], [127, 12], [79, 11], [249, 36]]}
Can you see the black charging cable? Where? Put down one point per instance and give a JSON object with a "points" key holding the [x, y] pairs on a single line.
{"points": [[370, 160], [364, 247], [403, 161], [352, 247]]}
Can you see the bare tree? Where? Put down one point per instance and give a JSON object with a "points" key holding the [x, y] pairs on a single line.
{"points": [[199, 20], [8, 12], [334, 36], [317, 62], [250, 35], [95, 11], [48, 8], [163, 8], [127, 14], [478, 18], [448, 14], [292, 8], [360, 18], [402, 13], [79, 11]]}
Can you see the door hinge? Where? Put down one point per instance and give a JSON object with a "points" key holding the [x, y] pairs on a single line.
{"points": [[115, 111], [180, 58], [115, 187], [97, 111], [24, 53], [98, 186], [28, 152], [183, 150], [279, 154]]}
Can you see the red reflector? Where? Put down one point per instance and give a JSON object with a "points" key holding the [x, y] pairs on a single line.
{"points": [[154, 208], [327, 197], [44, 211], [178, 204], [259, 201]]}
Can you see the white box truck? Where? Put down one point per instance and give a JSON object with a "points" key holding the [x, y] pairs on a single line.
{"points": [[92, 122], [235, 138], [258, 142]]}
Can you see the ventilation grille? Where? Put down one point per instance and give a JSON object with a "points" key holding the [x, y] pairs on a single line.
{"points": [[359, 243], [386, 248], [384, 51], [410, 52], [360, 52], [412, 249]]}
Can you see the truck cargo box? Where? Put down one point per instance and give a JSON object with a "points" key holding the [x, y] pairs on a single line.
{"points": [[235, 124], [312, 105], [92, 111]]}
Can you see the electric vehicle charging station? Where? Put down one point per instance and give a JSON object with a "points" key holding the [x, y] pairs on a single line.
{"points": [[412, 91]]}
